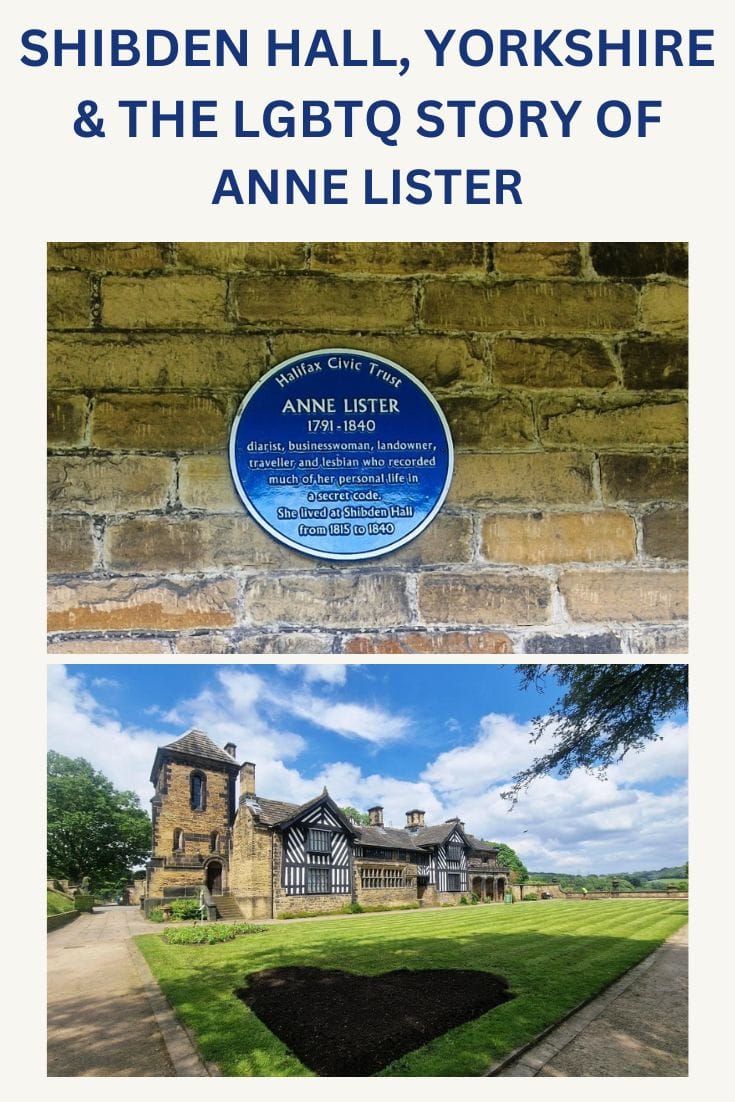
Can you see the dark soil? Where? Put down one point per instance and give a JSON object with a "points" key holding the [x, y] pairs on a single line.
{"points": [[338, 1023]]}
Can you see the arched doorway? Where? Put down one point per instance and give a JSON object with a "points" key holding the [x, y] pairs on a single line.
{"points": [[478, 887], [214, 877], [500, 889]]}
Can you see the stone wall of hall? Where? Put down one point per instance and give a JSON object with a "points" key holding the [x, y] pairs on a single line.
{"points": [[251, 874], [561, 368]]}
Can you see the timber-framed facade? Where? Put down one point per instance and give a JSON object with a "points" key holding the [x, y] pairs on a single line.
{"points": [[261, 858]]}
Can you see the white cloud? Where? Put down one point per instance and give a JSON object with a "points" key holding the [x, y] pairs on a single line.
{"points": [[360, 721], [332, 673]]}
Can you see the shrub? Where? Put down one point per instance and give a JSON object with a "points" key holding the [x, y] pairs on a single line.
{"points": [[184, 908], [474, 898], [353, 908], [530, 897], [156, 914], [83, 902], [208, 933], [463, 901]]}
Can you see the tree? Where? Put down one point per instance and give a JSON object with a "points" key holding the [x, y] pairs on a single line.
{"points": [[355, 815], [603, 712], [510, 859], [93, 829]]}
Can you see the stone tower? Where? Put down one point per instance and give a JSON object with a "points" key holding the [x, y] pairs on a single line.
{"points": [[193, 811]]}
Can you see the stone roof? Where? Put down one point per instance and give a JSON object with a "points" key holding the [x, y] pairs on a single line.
{"points": [[196, 746], [390, 837], [272, 812], [479, 845], [199, 745]]}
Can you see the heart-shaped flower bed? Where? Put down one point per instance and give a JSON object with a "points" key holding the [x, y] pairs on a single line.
{"points": [[339, 1023]]}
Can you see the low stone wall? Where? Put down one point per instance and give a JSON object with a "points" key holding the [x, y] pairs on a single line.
{"points": [[625, 895], [314, 904], [55, 922]]}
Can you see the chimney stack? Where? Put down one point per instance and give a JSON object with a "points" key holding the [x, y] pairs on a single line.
{"points": [[231, 749], [247, 779], [375, 815], [415, 819], [456, 820]]}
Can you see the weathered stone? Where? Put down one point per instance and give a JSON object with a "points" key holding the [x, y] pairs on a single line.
{"points": [[634, 259], [666, 534], [644, 595], [552, 363], [534, 307], [404, 257], [663, 640], [205, 482], [315, 301], [665, 307], [160, 422], [536, 258], [70, 545], [639, 478], [437, 361], [286, 642], [573, 644], [109, 361], [485, 422], [558, 537], [97, 484], [528, 478], [69, 300], [241, 256], [66, 420], [655, 364], [124, 604], [164, 302], [483, 599], [185, 544], [613, 426], [107, 256], [329, 600], [428, 642]]}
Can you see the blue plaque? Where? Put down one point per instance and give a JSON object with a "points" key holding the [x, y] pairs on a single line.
{"points": [[341, 454]]}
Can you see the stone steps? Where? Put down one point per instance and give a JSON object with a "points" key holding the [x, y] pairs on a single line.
{"points": [[227, 907]]}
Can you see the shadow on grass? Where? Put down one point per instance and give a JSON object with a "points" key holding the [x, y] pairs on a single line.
{"points": [[549, 971]]}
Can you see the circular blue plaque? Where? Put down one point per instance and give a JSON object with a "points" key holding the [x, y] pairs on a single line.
{"points": [[341, 454]]}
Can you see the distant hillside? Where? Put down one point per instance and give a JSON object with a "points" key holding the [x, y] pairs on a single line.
{"points": [[646, 880]]}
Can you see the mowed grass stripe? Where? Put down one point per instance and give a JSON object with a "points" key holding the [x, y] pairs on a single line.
{"points": [[554, 955]]}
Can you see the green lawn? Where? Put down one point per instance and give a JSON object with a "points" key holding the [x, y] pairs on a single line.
{"points": [[554, 955], [57, 903]]}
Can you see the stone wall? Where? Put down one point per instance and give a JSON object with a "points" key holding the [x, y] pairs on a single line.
{"points": [[252, 866], [562, 370], [385, 897]]}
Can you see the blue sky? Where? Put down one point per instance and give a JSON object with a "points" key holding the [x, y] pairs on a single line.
{"points": [[447, 738]]}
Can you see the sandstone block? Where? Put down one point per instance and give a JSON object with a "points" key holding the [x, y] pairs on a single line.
{"points": [[613, 426], [316, 302], [605, 643], [329, 600], [164, 302], [121, 645], [103, 485], [666, 534], [558, 537], [70, 545], [403, 257], [107, 256], [527, 478], [527, 306], [536, 258], [125, 604], [69, 300], [655, 364], [484, 422], [483, 599], [552, 363], [242, 256], [160, 422], [635, 259], [639, 478], [66, 420], [648, 596], [108, 361], [205, 482], [665, 307]]}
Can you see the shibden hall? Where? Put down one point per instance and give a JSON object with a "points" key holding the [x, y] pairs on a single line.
{"points": [[260, 858]]}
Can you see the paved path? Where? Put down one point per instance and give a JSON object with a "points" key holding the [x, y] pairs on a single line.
{"points": [[638, 1027], [105, 1016]]}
